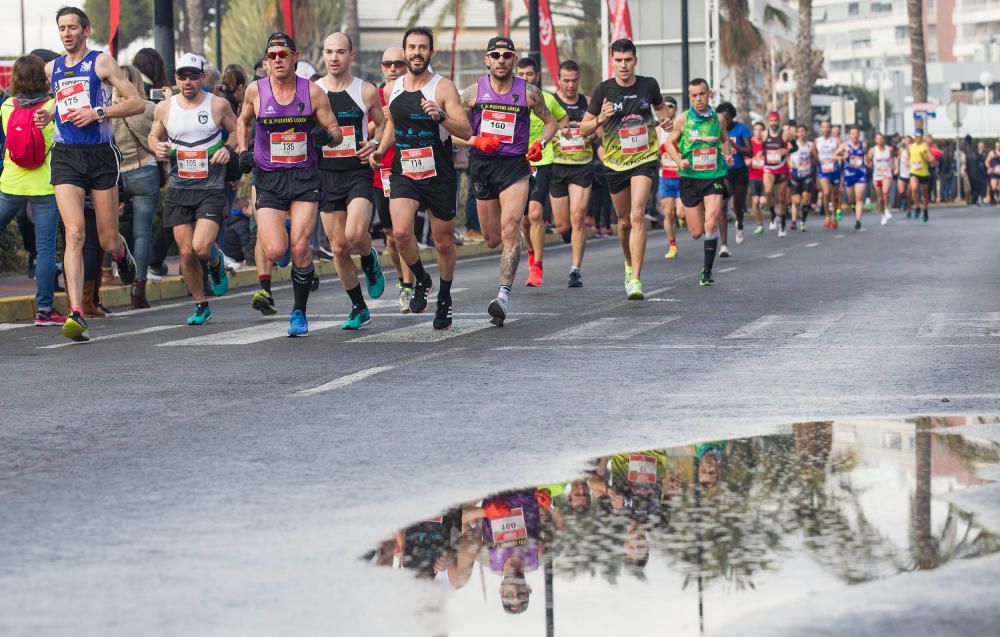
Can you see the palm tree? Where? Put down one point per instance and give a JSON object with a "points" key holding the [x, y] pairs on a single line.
{"points": [[416, 9], [194, 24], [802, 64], [353, 30], [918, 57], [740, 41]]}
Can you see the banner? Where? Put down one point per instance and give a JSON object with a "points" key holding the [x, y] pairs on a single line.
{"points": [[621, 25], [115, 8], [547, 38], [286, 11]]}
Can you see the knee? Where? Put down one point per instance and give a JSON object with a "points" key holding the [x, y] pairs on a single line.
{"points": [[301, 251], [274, 251], [492, 240], [187, 252], [341, 249], [535, 213], [624, 223], [444, 243], [75, 235], [202, 250], [109, 240], [697, 234], [401, 235], [356, 240]]}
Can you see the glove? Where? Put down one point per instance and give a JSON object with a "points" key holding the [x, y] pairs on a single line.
{"points": [[543, 498], [246, 162], [535, 152], [488, 145], [497, 509], [321, 137]]}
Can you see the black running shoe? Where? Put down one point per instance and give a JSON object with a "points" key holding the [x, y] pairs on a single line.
{"points": [[315, 283], [706, 277], [497, 311], [418, 304], [126, 265], [575, 280], [442, 317], [857, 224]]}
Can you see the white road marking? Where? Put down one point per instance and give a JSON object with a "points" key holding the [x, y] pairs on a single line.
{"points": [[343, 381], [729, 269], [423, 333], [13, 326], [838, 236], [775, 255], [607, 328], [812, 245], [247, 335], [785, 325], [941, 325], [145, 330], [384, 302]]}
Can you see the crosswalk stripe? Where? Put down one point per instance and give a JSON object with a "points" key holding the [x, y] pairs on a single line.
{"points": [[785, 325], [145, 330], [247, 335], [343, 381], [942, 325], [775, 255], [729, 269], [423, 333], [383, 302], [607, 328], [13, 326], [812, 245]]}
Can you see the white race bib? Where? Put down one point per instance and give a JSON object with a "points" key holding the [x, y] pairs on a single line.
{"points": [[635, 139], [704, 159], [347, 148], [856, 162], [384, 173], [498, 124], [641, 469], [192, 164], [757, 163], [510, 528], [574, 143], [418, 163], [73, 96], [827, 165], [773, 157], [288, 148]]}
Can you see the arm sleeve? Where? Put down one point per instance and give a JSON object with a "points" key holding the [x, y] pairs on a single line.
{"points": [[655, 98], [596, 101]]}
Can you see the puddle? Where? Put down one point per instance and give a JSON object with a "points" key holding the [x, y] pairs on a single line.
{"points": [[686, 540]]}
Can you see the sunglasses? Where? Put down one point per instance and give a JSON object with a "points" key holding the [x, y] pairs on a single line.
{"points": [[386, 64], [496, 55], [189, 76], [278, 55]]}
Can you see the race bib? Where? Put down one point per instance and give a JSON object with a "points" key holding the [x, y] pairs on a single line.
{"points": [[635, 139], [773, 157], [288, 148], [641, 469], [499, 125], [827, 165], [704, 159], [757, 163], [856, 162], [384, 174], [418, 163], [347, 148], [883, 171], [916, 166], [574, 143], [73, 97], [509, 528], [192, 164]]}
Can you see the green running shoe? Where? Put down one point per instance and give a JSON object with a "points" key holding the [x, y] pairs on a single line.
{"points": [[201, 315], [758, 230], [628, 276], [706, 277], [75, 328], [375, 280], [634, 290], [360, 316], [263, 302]]}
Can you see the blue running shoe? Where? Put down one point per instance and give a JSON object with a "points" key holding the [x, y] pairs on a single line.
{"points": [[375, 280], [217, 277], [360, 316], [201, 315], [297, 324]]}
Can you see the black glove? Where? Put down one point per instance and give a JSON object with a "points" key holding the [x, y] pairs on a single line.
{"points": [[246, 162], [321, 137]]}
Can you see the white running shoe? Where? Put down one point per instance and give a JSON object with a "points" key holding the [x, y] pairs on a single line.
{"points": [[739, 237], [885, 219], [782, 233], [152, 276], [724, 251], [888, 214], [772, 225]]}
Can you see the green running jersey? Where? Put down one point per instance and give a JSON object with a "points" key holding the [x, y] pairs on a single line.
{"points": [[701, 145]]}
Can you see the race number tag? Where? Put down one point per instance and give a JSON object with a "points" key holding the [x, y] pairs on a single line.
{"points": [[916, 165], [499, 125], [635, 139], [757, 163], [827, 165], [805, 165], [192, 164], [773, 157], [704, 159], [418, 163], [641, 469], [73, 97], [857, 162], [347, 148], [573, 143], [384, 173], [510, 528], [288, 148]]}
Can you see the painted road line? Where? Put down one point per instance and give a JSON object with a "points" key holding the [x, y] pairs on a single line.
{"points": [[775, 255], [785, 325], [607, 328], [974, 324], [838, 236], [145, 330], [424, 333], [247, 335], [382, 303], [729, 269], [13, 326], [812, 245], [343, 381]]}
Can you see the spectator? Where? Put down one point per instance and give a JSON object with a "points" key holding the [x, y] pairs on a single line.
{"points": [[25, 179], [234, 85], [154, 71], [946, 171], [213, 81], [934, 167], [140, 180], [239, 239], [982, 173]]}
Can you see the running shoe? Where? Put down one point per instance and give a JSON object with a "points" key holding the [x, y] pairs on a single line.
{"points": [[706, 277], [925, 215], [201, 315], [126, 265], [324, 253], [497, 311], [671, 253], [75, 328], [802, 228], [218, 278], [834, 225], [156, 272], [418, 304], [634, 291], [724, 251], [575, 280], [885, 219], [758, 230], [263, 302], [795, 224], [46, 318], [360, 316], [405, 294], [827, 225], [297, 324], [375, 280], [840, 216], [315, 283], [442, 316], [857, 224], [531, 259], [739, 237], [773, 225], [535, 275], [628, 276], [908, 214], [782, 233], [888, 214]]}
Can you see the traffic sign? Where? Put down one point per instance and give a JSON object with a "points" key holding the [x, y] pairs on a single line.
{"points": [[924, 115], [923, 106], [957, 112]]}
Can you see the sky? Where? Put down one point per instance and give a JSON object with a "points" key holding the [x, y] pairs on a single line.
{"points": [[39, 26]]}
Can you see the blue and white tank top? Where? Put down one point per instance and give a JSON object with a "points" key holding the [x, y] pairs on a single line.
{"points": [[79, 87]]}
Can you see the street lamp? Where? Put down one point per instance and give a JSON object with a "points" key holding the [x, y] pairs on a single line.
{"points": [[986, 79], [882, 84], [786, 84]]}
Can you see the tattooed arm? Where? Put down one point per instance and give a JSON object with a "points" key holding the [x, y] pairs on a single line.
{"points": [[538, 106]]}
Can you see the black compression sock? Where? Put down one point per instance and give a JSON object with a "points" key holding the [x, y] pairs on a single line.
{"points": [[805, 212], [444, 292], [356, 298], [784, 219], [710, 247], [368, 261], [419, 273], [302, 279], [265, 282]]}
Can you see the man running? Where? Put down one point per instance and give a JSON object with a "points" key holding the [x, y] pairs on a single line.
{"points": [[756, 175], [534, 224], [187, 128], [287, 109], [84, 158], [920, 175], [880, 159], [800, 162], [855, 172], [500, 105], [738, 179], [903, 177], [572, 169], [347, 178], [627, 106], [828, 152], [425, 111], [393, 66], [776, 171], [699, 143], [669, 189]]}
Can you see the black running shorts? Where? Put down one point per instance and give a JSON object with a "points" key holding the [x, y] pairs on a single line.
{"points": [[183, 206], [565, 174], [619, 180], [341, 187], [491, 175], [694, 191], [434, 194], [88, 166], [540, 184], [277, 189]]}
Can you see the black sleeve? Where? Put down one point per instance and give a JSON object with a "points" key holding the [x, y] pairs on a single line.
{"points": [[655, 98], [597, 101]]}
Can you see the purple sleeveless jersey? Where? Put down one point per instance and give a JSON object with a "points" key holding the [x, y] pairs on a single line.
{"points": [[281, 138], [505, 117], [516, 535]]}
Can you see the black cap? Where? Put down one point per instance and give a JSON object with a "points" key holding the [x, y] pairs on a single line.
{"points": [[280, 39], [500, 42], [669, 99], [45, 54]]}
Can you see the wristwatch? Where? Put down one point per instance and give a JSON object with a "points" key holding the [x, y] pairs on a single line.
{"points": [[100, 114]]}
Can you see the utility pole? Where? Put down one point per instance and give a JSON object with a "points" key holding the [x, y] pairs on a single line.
{"points": [[685, 55], [536, 42], [163, 32], [218, 35], [24, 42]]}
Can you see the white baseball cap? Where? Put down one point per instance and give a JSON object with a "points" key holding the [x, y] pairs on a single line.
{"points": [[191, 61]]}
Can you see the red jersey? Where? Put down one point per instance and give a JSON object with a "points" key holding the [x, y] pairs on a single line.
{"points": [[756, 162], [387, 160]]}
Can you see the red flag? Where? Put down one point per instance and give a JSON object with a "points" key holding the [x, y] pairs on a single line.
{"points": [[113, 32], [286, 10], [621, 24], [547, 39]]}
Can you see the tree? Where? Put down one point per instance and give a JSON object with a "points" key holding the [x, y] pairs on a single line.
{"points": [[740, 41], [918, 57], [351, 27], [194, 24], [416, 9], [804, 77], [247, 23], [135, 22]]}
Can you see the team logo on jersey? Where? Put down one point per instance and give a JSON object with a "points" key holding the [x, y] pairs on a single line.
{"points": [[301, 107], [515, 97], [85, 67], [270, 109], [202, 118], [644, 103], [486, 96]]}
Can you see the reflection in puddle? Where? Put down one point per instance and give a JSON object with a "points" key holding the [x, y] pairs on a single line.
{"points": [[696, 536]]}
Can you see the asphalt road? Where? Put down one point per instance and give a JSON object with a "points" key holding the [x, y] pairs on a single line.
{"points": [[222, 480]]}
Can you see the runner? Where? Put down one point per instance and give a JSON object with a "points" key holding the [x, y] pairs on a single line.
{"points": [[534, 225], [920, 176], [626, 106], [572, 170], [993, 164], [738, 179], [669, 188], [84, 158], [393, 65], [880, 158], [425, 111], [776, 171], [840, 186], [828, 151], [903, 176], [699, 143], [855, 169], [287, 109], [800, 163], [500, 105], [756, 176], [187, 128], [347, 178]]}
